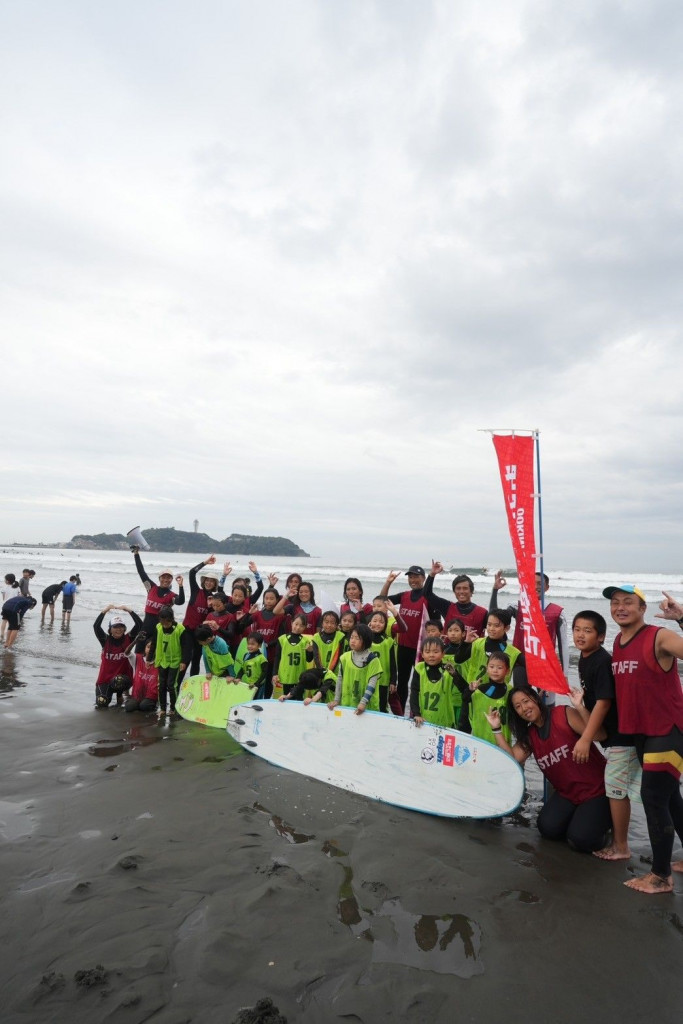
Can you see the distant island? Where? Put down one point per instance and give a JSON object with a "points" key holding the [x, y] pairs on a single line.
{"points": [[170, 539]]}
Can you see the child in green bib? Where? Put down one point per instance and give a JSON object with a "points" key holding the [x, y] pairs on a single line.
{"points": [[385, 647], [294, 654], [313, 686], [360, 671], [216, 654], [254, 668], [172, 652], [497, 623], [488, 695], [327, 640], [434, 694]]}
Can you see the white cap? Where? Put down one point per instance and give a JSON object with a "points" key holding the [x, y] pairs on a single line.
{"points": [[165, 572], [209, 573]]}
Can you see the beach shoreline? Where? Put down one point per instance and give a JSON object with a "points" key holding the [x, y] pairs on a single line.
{"points": [[201, 879]]}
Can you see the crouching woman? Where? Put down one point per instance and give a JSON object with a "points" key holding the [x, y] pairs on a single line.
{"points": [[578, 810]]}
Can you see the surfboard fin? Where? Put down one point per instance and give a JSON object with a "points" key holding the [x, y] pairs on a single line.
{"points": [[251, 743]]}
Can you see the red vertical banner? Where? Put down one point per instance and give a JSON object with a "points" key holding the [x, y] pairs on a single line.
{"points": [[516, 463]]}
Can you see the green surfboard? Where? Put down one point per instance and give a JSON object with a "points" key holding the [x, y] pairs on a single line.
{"points": [[208, 701]]}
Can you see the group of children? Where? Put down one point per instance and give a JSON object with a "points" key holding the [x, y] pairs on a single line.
{"points": [[292, 649], [447, 663]]}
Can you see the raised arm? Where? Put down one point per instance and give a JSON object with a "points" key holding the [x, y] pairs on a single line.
{"points": [[519, 752], [147, 583], [391, 578], [439, 604], [97, 625], [670, 609]]}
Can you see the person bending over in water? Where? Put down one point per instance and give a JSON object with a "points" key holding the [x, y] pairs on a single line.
{"points": [[49, 599], [578, 810], [7, 591], [13, 612]]}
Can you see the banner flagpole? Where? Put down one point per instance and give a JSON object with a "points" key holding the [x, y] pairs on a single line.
{"points": [[517, 453], [536, 437]]}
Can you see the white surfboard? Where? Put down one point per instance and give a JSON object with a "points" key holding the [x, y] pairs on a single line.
{"points": [[429, 769]]}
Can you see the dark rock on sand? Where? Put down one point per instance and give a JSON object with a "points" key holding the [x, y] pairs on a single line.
{"points": [[263, 1012], [91, 977]]}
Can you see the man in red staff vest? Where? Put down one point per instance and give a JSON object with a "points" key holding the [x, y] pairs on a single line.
{"points": [[552, 613], [411, 603], [650, 707]]}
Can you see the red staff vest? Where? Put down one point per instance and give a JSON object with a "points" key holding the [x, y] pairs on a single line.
{"points": [[268, 628], [411, 613], [575, 782], [476, 618], [114, 661], [145, 681], [156, 601], [197, 610], [649, 698]]}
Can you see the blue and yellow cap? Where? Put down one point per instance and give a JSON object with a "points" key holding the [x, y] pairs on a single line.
{"points": [[626, 588]]}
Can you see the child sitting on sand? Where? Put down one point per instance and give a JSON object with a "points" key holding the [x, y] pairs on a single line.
{"points": [[314, 686], [145, 689]]}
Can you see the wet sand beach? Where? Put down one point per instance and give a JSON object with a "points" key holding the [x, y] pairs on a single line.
{"points": [[157, 872]]}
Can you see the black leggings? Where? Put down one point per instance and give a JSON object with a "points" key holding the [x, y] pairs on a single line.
{"points": [[146, 704], [662, 800], [584, 826], [168, 685], [405, 662]]}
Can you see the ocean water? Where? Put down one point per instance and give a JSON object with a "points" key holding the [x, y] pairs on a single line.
{"points": [[109, 577]]}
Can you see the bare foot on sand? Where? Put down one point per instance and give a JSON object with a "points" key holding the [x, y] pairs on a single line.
{"points": [[651, 884], [613, 853], [677, 865]]}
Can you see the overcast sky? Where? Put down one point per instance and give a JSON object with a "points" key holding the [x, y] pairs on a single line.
{"points": [[273, 264]]}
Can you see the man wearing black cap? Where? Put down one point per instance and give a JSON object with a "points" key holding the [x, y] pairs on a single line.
{"points": [[411, 605], [650, 707]]}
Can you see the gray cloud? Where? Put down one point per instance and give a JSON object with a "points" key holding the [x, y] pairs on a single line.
{"points": [[274, 265]]}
